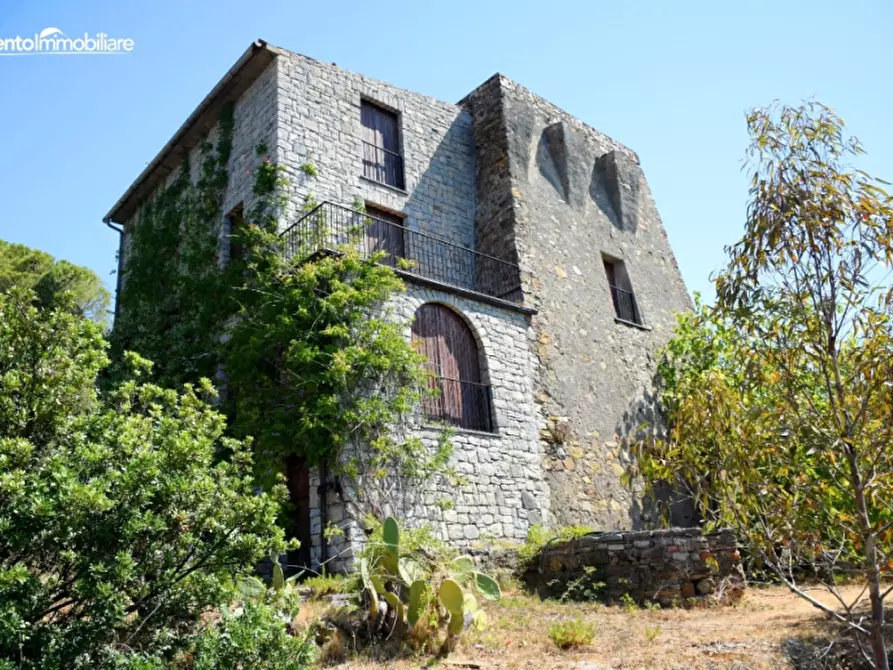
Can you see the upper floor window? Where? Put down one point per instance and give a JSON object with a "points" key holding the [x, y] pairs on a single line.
{"points": [[622, 295], [381, 145], [235, 221], [460, 397]]}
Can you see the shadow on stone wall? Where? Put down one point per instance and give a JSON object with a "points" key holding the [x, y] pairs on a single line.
{"points": [[598, 191], [669, 505], [665, 566], [460, 223]]}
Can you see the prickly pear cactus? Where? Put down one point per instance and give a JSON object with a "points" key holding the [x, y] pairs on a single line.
{"points": [[391, 534], [416, 601], [278, 577], [399, 589]]}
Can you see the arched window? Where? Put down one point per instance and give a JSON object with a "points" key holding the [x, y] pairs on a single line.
{"points": [[463, 400]]}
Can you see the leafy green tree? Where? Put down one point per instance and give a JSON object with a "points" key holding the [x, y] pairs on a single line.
{"points": [[27, 268], [783, 424], [307, 343], [120, 523]]}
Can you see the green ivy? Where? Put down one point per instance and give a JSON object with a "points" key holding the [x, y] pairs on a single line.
{"points": [[315, 366], [173, 297]]}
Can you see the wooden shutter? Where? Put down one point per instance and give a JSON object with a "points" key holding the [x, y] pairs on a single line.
{"points": [[381, 145], [380, 127], [381, 235], [452, 353]]}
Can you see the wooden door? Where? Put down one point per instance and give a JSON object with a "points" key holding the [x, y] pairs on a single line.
{"points": [[297, 476], [452, 356], [384, 233]]}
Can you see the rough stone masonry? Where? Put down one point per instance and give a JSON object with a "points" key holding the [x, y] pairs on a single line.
{"points": [[663, 566], [504, 175]]}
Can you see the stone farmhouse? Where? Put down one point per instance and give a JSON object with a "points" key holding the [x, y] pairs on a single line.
{"points": [[543, 283]]}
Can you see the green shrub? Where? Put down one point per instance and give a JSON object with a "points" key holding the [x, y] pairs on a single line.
{"points": [[572, 634], [254, 636], [651, 632], [119, 523], [628, 603], [584, 588], [324, 585]]}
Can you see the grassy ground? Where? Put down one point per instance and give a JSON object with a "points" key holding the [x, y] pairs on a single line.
{"points": [[769, 628]]}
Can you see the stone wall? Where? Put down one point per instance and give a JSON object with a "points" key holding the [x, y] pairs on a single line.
{"points": [[510, 175], [664, 566], [318, 119], [495, 205], [254, 124], [500, 491], [574, 196]]}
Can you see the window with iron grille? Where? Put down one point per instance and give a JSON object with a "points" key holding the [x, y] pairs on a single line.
{"points": [[622, 295], [460, 398], [235, 221], [382, 160]]}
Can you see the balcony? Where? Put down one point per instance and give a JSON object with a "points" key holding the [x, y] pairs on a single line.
{"points": [[329, 227]]}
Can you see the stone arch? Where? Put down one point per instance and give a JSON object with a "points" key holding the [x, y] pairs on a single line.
{"points": [[457, 363]]}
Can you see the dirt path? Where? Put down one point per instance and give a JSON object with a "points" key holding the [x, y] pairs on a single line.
{"points": [[769, 628]]}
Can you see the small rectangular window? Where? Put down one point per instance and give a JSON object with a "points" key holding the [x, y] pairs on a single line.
{"points": [[382, 161], [621, 288], [235, 221]]}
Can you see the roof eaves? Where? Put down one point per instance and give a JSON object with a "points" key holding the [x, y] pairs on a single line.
{"points": [[234, 82]]}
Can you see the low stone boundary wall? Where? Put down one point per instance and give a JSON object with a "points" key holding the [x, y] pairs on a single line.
{"points": [[665, 566]]}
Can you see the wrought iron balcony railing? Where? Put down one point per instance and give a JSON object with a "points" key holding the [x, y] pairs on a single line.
{"points": [[328, 227], [458, 403], [625, 305]]}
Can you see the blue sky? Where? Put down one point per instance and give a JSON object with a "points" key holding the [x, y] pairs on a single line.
{"points": [[672, 80]]}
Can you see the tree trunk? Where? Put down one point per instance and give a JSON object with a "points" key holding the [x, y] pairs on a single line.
{"points": [[878, 645]]}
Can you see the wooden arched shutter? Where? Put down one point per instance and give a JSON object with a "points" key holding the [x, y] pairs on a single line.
{"points": [[453, 359]]}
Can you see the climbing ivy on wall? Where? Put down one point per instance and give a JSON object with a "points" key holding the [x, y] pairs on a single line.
{"points": [[173, 297], [314, 364]]}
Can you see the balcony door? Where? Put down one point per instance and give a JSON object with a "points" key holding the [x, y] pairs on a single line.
{"points": [[384, 232]]}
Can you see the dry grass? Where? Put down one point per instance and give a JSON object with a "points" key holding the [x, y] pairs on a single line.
{"points": [[769, 628]]}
